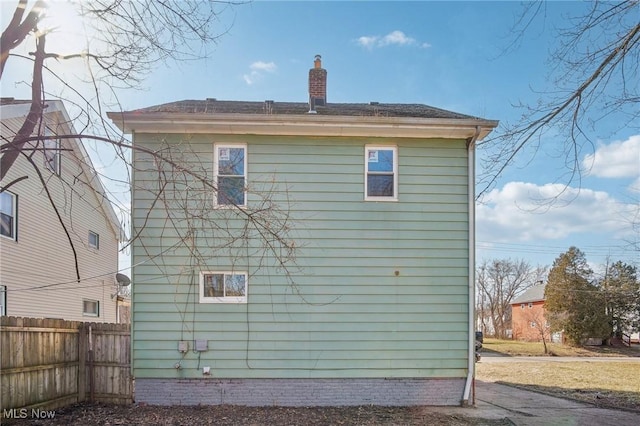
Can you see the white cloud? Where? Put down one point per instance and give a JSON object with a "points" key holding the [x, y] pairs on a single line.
{"points": [[619, 159], [396, 37], [263, 66], [250, 78], [257, 69], [520, 212], [367, 41]]}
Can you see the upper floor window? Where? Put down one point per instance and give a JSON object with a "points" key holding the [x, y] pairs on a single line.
{"points": [[230, 172], [52, 152], [94, 240], [8, 214], [381, 173], [223, 287]]}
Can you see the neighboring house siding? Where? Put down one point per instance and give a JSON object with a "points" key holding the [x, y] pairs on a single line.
{"points": [[380, 289], [38, 269], [528, 320]]}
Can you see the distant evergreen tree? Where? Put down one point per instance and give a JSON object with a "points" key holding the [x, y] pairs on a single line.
{"points": [[572, 303], [622, 296]]}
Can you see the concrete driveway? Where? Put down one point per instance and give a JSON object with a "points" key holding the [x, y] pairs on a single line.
{"points": [[525, 408], [522, 407]]}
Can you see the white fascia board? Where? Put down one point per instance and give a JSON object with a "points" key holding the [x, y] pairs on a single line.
{"points": [[300, 125], [21, 109], [14, 110]]}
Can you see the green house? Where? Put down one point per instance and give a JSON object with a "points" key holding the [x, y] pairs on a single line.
{"points": [[302, 254]]}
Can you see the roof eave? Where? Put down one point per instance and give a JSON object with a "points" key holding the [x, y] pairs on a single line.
{"points": [[301, 125], [87, 165]]}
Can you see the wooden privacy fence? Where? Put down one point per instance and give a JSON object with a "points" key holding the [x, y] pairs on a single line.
{"points": [[50, 363]]}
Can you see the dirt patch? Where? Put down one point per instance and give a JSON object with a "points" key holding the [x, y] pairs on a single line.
{"points": [[87, 414]]}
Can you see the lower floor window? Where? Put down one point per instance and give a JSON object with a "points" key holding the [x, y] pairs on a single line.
{"points": [[3, 300], [223, 287], [91, 308]]}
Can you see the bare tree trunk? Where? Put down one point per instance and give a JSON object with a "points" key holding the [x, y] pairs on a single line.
{"points": [[34, 117]]}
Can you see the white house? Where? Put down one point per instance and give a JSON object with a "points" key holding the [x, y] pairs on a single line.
{"points": [[59, 233]]}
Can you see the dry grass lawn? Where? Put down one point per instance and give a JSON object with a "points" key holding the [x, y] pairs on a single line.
{"points": [[608, 384], [517, 348]]}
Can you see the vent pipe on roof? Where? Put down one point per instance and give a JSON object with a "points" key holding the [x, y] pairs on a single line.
{"points": [[268, 107], [317, 85]]}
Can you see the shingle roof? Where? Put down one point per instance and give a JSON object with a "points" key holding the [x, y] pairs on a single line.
{"points": [[13, 101], [532, 294], [214, 106]]}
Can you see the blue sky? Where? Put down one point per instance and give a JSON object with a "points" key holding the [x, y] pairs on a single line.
{"points": [[451, 55]]}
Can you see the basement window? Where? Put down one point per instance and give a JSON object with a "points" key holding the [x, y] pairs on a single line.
{"points": [[223, 287], [91, 308], [381, 173]]}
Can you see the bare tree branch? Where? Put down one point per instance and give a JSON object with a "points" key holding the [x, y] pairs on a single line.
{"points": [[17, 30], [35, 112], [61, 221], [595, 70], [128, 38]]}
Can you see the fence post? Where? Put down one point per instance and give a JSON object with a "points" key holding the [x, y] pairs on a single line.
{"points": [[91, 384], [82, 363]]}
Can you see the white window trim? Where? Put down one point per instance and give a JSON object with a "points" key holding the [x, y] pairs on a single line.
{"points": [[233, 299], [57, 152], [94, 246], [215, 172], [3, 300], [394, 148], [91, 314], [14, 216]]}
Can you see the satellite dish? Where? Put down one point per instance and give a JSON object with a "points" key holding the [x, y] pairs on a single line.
{"points": [[123, 280]]}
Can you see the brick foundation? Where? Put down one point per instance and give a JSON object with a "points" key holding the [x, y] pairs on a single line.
{"points": [[299, 392]]}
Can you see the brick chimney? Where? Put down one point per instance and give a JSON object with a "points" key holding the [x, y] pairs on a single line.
{"points": [[317, 84]]}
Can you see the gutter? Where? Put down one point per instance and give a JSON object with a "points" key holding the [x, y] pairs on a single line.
{"points": [[300, 125], [471, 167]]}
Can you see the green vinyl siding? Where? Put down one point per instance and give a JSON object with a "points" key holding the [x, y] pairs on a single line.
{"points": [[378, 289]]}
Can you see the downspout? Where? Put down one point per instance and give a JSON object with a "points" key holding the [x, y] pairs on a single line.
{"points": [[471, 171]]}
